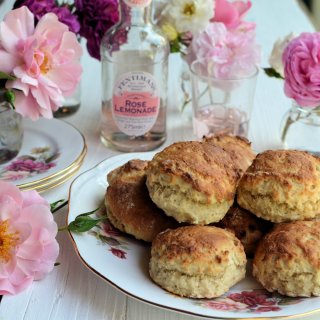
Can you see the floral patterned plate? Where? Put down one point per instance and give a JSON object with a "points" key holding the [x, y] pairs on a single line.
{"points": [[51, 153], [123, 262]]}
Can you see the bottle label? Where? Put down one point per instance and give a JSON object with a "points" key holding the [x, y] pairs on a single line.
{"points": [[135, 103], [137, 3]]}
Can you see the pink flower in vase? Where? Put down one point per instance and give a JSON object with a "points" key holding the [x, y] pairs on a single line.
{"points": [[226, 54], [232, 13], [43, 59], [28, 248], [301, 59]]}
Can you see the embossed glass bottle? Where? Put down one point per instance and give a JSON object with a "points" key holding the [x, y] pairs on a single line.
{"points": [[134, 78]]}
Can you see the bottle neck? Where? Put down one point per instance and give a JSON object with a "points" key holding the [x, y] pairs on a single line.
{"points": [[134, 15]]}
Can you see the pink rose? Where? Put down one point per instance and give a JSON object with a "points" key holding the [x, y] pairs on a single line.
{"points": [[301, 60], [231, 13], [28, 248], [227, 53], [44, 59]]}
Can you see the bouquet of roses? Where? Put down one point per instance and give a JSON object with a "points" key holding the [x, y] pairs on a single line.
{"points": [[212, 31], [296, 60], [86, 18]]}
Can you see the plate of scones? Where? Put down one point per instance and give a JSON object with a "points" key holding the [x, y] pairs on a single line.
{"points": [[206, 228]]}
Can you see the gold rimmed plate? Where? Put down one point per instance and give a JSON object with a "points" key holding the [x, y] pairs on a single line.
{"points": [[123, 262], [52, 151]]}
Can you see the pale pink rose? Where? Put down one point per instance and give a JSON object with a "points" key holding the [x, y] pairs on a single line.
{"points": [[27, 235], [226, 53], [301, 60], [232, 13], [45, 60]]}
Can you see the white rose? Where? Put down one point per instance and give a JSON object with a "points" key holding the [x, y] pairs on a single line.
{"points": [[275, 59], [189, 15]]}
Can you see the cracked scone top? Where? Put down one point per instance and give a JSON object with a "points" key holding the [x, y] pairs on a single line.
{"points": [[195, 182], [282, 186], [288, 259], [129, 207], [197, 261]]}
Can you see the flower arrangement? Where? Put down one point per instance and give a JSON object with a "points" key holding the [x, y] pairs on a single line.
{"points": [[39, 63], [86, 18], [296, 60], [212, 31], [28, 248]]}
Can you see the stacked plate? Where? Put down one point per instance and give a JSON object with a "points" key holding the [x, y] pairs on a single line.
{"points": [[52, 152]]}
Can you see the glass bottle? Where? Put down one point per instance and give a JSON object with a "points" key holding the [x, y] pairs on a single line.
{"points": [[134, 59]]}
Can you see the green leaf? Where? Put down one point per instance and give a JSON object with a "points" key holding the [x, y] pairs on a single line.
{"points": [[83, 224], [272, 73], [6, 76], [55, 206], [10, 97], [88, 213]]}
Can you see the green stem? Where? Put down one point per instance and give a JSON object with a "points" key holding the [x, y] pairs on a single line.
{"points": [[286, 128]]}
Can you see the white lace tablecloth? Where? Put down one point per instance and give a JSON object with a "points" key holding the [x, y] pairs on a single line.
{"points": [[71, 291]]}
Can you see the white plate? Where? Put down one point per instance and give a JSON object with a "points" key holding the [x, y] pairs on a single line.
{"points": [[51, 149], [123, 262]]}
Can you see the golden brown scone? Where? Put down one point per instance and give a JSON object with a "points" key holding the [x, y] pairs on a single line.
{"points": [[288, 259], [239, 149], [247, 227], [197, 261], [193, 181], [282, 186], [129, 207]]}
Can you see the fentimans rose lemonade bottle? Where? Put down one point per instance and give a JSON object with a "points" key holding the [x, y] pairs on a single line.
{"points": [[134, 79]]}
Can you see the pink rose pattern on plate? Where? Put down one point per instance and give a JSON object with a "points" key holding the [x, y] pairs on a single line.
{"points": [[256, 300], [39, 161], [109, 235]]}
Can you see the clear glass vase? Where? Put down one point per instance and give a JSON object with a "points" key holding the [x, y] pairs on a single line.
{"points": [[11, 132], [185, 103], [71, 104], [300, 129]]}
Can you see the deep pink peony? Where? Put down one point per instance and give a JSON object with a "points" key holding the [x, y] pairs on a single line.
{"points": [[44, 59], [301, 60], [28, 247], [229, 53], [232, 13], [96, 17]]}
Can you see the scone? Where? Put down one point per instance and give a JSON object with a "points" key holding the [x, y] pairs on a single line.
{"points": [[194, 182], [197, 261], [129, 207], [239, 149], [282, 186], [247, 227], [288, 259]]}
